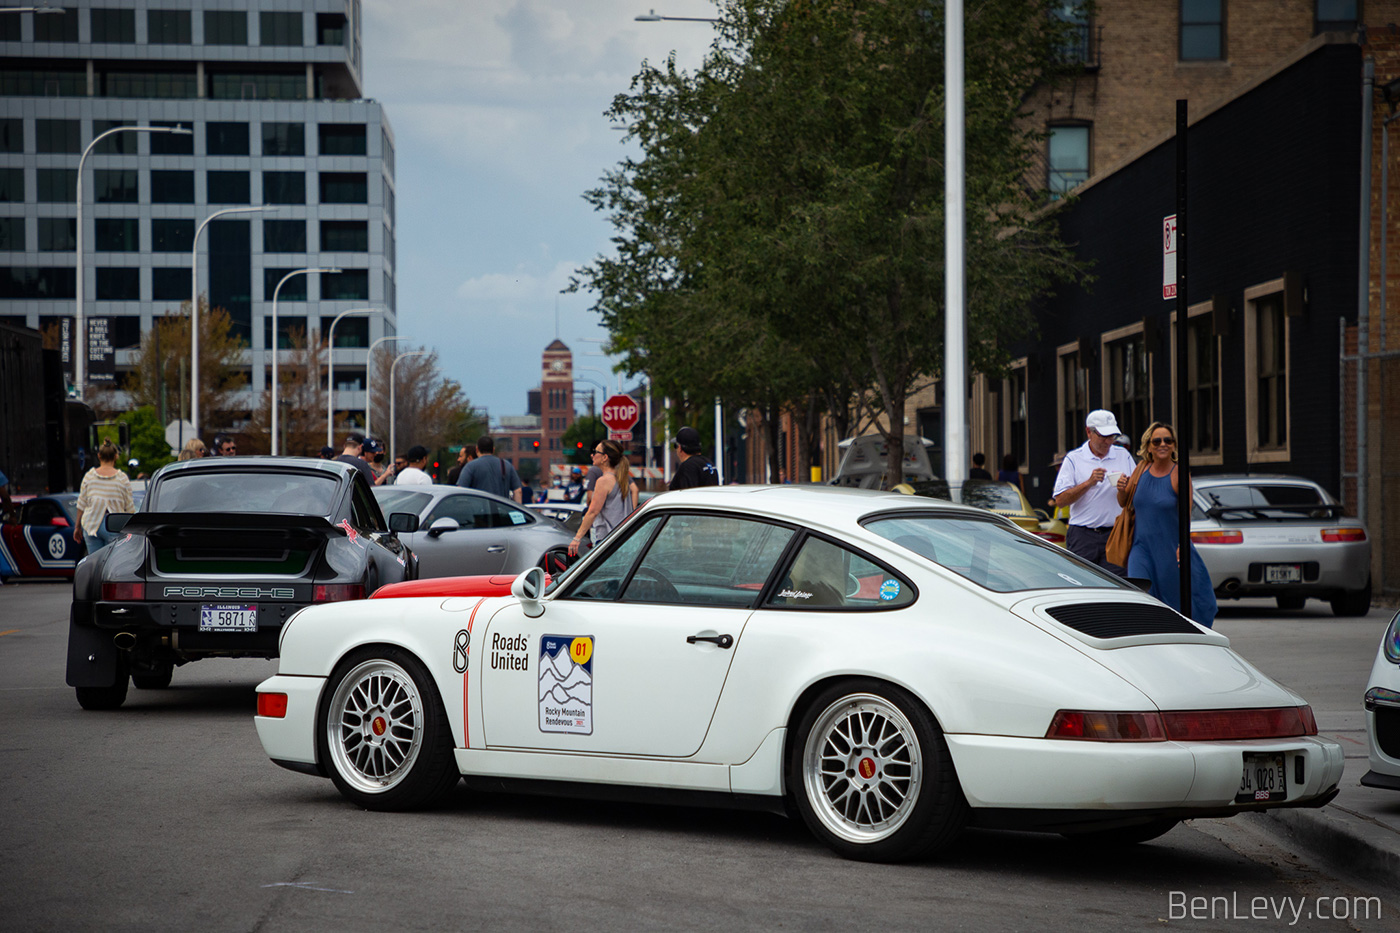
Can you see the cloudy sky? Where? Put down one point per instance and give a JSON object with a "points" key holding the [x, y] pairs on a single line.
{"points": [[497, 109]]}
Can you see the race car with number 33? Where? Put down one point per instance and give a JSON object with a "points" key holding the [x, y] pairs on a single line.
{"points": [[891, 668]]}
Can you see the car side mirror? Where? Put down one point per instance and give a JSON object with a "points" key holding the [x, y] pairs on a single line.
{"points": [[442, 526], [528, 588], [403, 523], [116, 521]]}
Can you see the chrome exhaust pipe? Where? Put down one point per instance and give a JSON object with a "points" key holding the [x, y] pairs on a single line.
{"points": [[1231, 585], [124, 640]]}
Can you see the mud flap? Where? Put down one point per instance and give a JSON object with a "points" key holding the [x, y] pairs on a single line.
{"points": [[92, 658]]}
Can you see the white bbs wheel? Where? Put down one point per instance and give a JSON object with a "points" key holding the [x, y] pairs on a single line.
{"points": [[862, 768], [375, 726], [384, 735], [871, 774]]}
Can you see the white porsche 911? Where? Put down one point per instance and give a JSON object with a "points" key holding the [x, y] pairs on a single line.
{"points": [[1383, 712], [893, 668]]}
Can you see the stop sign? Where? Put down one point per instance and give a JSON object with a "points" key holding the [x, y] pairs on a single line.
{"points": [[620, 413]]}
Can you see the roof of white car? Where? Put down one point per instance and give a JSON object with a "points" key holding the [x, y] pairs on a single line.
{"points": [[825, 504]]}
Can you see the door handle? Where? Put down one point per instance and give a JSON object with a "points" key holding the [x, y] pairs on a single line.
{"points": [[724, 641], [496, 549]]}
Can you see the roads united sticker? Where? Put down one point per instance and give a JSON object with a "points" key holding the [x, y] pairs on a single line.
{"points": [[566, 684]]}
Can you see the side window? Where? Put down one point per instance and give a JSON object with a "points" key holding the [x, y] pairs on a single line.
{"points": [[364, 511], [708, 560], [467, 511], [824, 575], [505, 516], [605, 579]]}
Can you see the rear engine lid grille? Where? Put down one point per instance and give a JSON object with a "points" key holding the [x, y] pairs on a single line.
{"points": [[224, 550], [1122, 620]]}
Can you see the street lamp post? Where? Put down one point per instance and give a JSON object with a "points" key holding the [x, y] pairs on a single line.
{"points": [[283, 281], [80, 348], [194, 304], [392, 386], [653, 17], [330, 369], [369, 375]]}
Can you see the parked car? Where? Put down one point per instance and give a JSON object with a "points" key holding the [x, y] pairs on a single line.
{"points": [[1382, 701], [1281, 536], [223, 551], [568, 514], [1008, 500], [36, 538], [864, 461], [469, 532], [894, 668]]}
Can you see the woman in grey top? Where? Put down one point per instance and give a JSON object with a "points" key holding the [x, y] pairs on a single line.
{"points": [[611, 499]]}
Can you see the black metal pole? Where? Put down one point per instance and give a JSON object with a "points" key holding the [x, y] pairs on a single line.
{"points": [[1183, 406]]}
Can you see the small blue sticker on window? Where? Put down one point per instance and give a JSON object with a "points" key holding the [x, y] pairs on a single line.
{"points": [[889, 590]]}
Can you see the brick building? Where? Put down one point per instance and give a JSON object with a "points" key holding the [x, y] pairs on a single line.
{"points": [[532, 442]]}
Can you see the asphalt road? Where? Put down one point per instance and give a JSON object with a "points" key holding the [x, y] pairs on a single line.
{"points": [[165, 815]]}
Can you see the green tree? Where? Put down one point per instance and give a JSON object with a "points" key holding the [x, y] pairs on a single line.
{"points": [[148, 446], [781, 236], [580, 437], [161, 376]]}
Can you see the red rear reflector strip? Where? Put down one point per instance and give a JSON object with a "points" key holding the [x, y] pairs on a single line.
{"points": [[1217, 537], [1339, 535], [337, 592], [1213, 724], [272, 705], [1202, 725], [122, 592]]}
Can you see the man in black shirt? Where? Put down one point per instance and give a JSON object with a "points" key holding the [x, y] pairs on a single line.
{"points": [[694, 469], [354, 444]]}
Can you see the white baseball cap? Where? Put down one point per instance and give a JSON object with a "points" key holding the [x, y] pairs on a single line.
{"points": [[1103, 422]]}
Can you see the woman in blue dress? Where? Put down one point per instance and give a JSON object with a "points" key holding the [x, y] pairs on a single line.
{"points": [[1154, 554]]}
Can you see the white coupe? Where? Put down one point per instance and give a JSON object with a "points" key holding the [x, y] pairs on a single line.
{"points": [[891, 668], [1383, 712]]}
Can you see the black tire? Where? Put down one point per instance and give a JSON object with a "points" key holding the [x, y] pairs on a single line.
{"points": [[1291, 601], [909, 804], [100, 698], [158, 678], [382, 733], [1123, 835], [1352, 603]]}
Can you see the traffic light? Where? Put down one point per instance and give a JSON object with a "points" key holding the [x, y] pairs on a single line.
{"points": [[537, 445]]}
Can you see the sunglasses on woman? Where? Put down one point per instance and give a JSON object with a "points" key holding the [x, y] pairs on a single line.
{"points": [[1162, 441]]}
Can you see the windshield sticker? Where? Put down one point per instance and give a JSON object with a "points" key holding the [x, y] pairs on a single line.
{"points": [[566, 684], [1071, 580], [794, 594], [518, 518], [889, 590]]}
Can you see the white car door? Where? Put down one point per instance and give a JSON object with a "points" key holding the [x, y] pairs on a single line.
{"points": [[631, 657]]}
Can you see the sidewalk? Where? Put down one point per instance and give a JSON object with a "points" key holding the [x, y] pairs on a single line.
{"points": [[1358, 833]]}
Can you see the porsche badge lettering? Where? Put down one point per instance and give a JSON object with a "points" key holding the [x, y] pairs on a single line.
{"points": [[230, 592], [509, 653]]}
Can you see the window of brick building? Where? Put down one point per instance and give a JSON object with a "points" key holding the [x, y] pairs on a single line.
{"points": [[1202, 30], [1067, 160], [1127, 380], [1266, 374], [1202, 384], [1336, 16], [1072, 393]]}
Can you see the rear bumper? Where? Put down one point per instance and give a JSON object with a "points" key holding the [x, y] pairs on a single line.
{"points": [[1116, 779], [1237, 569], [290, 741], [176, 625]]}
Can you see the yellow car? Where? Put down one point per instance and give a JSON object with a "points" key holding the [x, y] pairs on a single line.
{"points": [[1005, 499]]}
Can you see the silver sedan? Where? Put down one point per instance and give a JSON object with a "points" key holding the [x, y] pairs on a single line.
{"points": [[1282, 536], [466, 532]]}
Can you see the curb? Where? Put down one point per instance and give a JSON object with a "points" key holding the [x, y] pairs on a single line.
{"points": [[1349, 843]]}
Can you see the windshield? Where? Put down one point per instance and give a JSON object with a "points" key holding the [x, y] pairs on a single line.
{"points": [[282, 493], [402, 500], [990, 553], [993, 496]]}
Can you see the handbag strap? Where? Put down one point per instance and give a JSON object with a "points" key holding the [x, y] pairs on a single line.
{"points": [[1132, 484]]}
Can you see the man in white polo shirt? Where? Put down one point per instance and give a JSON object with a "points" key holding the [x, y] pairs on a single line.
{"points": [[1087, 483]]}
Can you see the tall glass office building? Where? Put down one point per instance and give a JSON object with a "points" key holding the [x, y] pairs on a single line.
{"points": [[272, 92]]}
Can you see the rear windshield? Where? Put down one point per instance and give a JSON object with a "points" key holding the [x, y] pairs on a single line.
{"points": [[280, 493], [991, 553], [1266, 501], [993, 496]]}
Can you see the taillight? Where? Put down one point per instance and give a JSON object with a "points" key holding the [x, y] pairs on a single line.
{"points": [[122, 592], [1205, 725], [1217, 537], [1106, 727], [337, 592], [272, 705], [1340, 535]]}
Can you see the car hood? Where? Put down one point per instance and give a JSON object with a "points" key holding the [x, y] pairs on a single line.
{"points": [[1175, 662]]}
